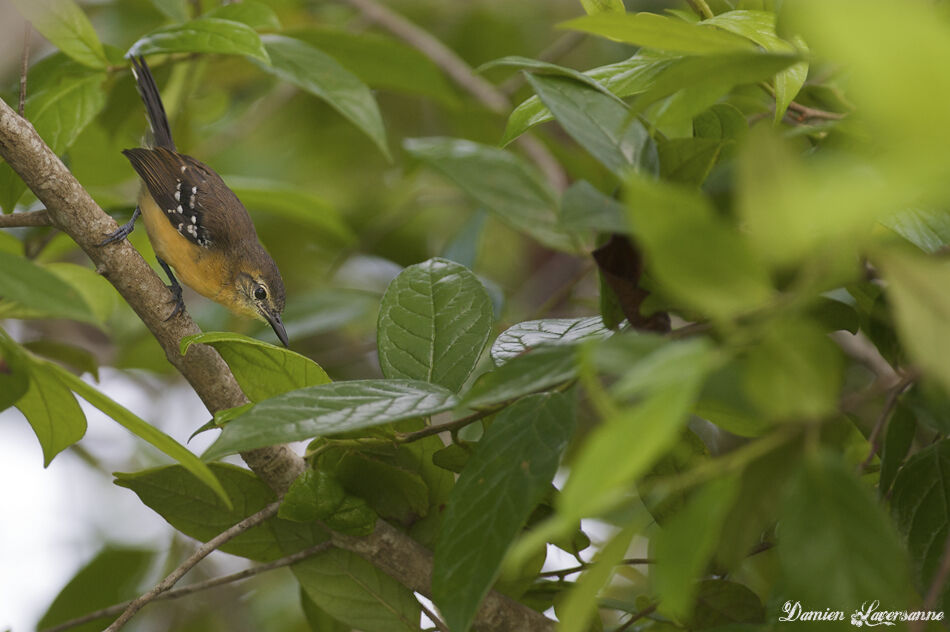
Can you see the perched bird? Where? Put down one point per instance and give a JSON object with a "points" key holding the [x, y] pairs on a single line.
{"points": [[197, 225]]}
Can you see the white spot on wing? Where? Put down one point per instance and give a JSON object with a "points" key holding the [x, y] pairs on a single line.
{"points": [[183, 167]]}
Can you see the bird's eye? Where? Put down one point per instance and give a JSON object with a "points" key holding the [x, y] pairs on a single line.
{"points": [[260, 293]]}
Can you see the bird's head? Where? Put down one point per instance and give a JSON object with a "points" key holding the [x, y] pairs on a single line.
{"points": [[259, 289]]}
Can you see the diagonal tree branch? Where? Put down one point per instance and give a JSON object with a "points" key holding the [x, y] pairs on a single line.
{"points": [[72, 210]]}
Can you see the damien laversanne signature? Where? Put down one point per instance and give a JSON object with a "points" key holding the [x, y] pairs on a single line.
{"points": [[868, 614]]}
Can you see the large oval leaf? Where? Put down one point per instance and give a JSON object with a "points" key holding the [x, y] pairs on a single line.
{"points": [[319, 74], [434, 320], [41, 292], [520, 338], [330, 409], [64, 24]]}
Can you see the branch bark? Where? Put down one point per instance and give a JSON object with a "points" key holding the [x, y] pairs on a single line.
{"points": [[72, 210]]}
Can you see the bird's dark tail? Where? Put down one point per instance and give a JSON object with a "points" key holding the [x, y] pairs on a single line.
{"points": [[153, 103]]}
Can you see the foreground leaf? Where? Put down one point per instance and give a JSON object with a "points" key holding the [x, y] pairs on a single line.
{"points": [[65, 25], [329, 409], [509, 474], [523, 337], [539, 370], [263, 370], [434, 321], [52, 410], [319, 74], [660, 32], [202, 35]]}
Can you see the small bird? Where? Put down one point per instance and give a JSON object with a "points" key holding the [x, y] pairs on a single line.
{"points": [[198, 225]]}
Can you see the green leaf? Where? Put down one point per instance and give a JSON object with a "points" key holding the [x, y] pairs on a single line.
{"points": [[396, 493], [65, 25], [794, 372], [508, 475], [319, 74], [52, 410], [434, 321], [546, 68], [694, 253], [498, 180], [922, 309], [31, 291], [829, 515], [521, 338], [142, 429], [597, 122], [192, 508], [256, 15], [98, 294], [928, 229], [70, 355], [724, 605], [112, 576], [330, 409], [175, 10], [682, 551], [202, 35], [317, 618], [263, 370], [603, 6], [317, 495], [921, 506], [353, 591], [297, 206], [14, 372], [688, 160], [382, 62], [660, 32], [897, 442], [625, 446], [539, 370], [631, 76], [720, 122], [583, 207]]}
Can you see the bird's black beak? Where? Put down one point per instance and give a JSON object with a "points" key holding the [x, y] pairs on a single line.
{"points": [[275, 322]]}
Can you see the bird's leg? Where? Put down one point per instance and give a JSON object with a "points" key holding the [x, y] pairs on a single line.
{"points": [[124, 230], [174, 288]]}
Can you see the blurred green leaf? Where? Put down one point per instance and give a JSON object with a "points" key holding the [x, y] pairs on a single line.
{"points": [[263, 370], [546, 68], [927, 229], [498, 180], [538, 370], [112, 576], [192, 508], [682, 552], [920, 503], [70, 355], [256, 15], [509, 473], [698, 258], [603, 6], [176, 10], [434, 321], [65, 25], [631, 76], [660, 32], [922, 309], [355, 592], [583, 207], [597, 122], [329, 409], [14, 372], [688, 160], [720, 122], [794, 372], [721, 603], [141, 428], [382, 62], [897, 442], [202, 35], [41, 292], [521, 338], [319, 74], [101, 297], [828, 514]]}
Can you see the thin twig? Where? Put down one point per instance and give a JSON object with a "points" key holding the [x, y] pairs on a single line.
{"points": [[409, 437], [24, 65], [633, 561], [434, 618], [804, 113], [214, 582], [203, 551], [701, 8], [892, 396], [30, 218], [643, 613], [462, 74]]}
